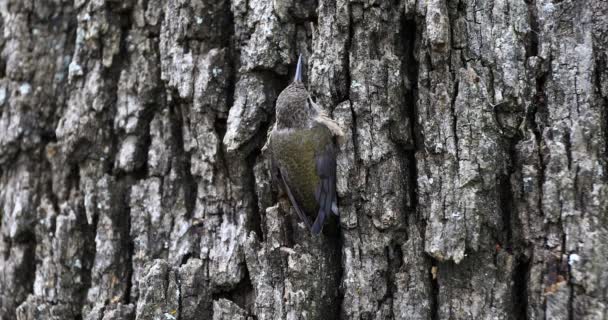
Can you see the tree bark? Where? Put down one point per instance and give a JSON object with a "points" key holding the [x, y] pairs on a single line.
{"points": [[472, 178]]}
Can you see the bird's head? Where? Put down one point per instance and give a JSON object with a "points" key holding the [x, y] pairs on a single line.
{"points": [[293, 109]]}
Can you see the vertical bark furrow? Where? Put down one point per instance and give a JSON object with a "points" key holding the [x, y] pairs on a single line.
{"points": [[471, 176], [37, 43]]}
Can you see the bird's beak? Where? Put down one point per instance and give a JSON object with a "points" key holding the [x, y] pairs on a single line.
{"points": [[298, 77]]}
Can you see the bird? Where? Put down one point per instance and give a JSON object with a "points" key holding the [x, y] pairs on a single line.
{"points": [[303, 150]]}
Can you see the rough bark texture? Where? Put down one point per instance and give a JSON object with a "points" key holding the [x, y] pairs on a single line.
{"points": [[472, 179]]}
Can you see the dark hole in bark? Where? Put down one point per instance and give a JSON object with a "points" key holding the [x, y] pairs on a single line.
{"points": [[434, 289], [241, 294], [520, 292]]}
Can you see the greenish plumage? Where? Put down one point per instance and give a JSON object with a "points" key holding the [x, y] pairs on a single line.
{"points": [[295, 151], [303, 154]]}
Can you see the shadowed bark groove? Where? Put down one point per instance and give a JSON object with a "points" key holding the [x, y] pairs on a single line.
{"points": [[471, 177]]}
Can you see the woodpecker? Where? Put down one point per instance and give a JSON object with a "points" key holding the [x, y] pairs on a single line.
{"points": [[303, 154]]}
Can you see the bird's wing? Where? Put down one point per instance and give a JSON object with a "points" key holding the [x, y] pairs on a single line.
{"points": [[268, 135], [283, 178], [325, 192], [328, 122]]}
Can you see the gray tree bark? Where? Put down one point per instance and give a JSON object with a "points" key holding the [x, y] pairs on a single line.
{"points": [[472, 179]]}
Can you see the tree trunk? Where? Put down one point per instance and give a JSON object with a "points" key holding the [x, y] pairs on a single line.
{"points": [[472, 179]]}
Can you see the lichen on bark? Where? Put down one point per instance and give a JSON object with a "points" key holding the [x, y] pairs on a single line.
{"points": [[471, 177]]}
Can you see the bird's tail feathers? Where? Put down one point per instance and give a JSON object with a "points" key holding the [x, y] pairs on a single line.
{"points": [[334, 208], [317, 227]]}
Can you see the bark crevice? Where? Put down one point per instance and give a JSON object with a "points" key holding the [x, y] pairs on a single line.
{"points": [[471, 179]]}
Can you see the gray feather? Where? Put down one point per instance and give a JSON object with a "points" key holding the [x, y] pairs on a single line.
{"points": [[292, 199], [326, 190]]}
